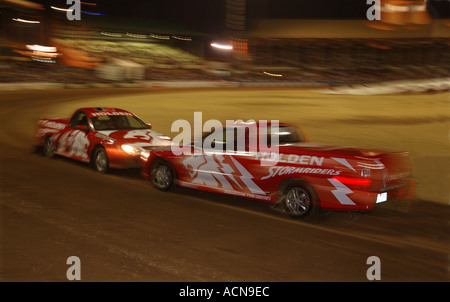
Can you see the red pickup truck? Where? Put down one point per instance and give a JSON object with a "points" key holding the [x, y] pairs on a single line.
{"points": [[303, 178], [104, 137]]}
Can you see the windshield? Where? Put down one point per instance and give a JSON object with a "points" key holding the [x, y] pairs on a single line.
{"points": [[117, 122], [239, 138]]}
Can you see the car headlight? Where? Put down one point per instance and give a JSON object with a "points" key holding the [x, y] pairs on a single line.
{"points": [[132, 150], [145, 155]]}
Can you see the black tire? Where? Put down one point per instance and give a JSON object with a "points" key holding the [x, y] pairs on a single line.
{"points": [[48, 149], [299, 200], [163, 176], [100, 161]]}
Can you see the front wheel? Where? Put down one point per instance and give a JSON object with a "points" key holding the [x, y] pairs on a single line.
{"points": [[100, 161], [163, 176], [299, 200]]}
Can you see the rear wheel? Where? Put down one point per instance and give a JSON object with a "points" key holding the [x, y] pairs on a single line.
{"points": [[100, 161], [163, 176], [299, 200]]}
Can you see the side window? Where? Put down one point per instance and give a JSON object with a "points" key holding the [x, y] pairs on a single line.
{"points": [[79, 118], [234, 139], [229, 140], [214, 141]]}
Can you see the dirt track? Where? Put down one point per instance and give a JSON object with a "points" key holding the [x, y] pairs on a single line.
{"points": [[124, 230]]}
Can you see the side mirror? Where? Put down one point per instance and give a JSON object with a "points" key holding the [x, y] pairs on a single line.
{"points": [[84, 128], [149, 126]]}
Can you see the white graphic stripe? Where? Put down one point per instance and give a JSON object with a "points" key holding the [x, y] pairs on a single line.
{"points": [[227, 169], [213, 171], [247, 178], [344, 162], [341, 192]]}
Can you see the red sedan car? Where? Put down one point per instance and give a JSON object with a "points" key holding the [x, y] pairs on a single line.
{"points": [[303, 178], [105, 137]]}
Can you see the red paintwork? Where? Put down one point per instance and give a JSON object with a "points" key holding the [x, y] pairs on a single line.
{"points": [[335, 173], [79, 144]]}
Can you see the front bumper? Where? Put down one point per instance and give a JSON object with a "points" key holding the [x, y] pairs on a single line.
{"points": [[119, 159]]}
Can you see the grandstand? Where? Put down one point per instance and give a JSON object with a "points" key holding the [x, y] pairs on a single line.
{"points": [[328, 51], [407, 43]]}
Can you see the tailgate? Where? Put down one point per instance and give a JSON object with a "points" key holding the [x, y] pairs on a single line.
{"points": [[397, 172]]}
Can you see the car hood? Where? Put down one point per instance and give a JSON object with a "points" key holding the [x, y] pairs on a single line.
{"points": [[140, 137]]}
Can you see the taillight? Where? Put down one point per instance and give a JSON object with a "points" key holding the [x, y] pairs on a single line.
{"points": [[353, 181]]}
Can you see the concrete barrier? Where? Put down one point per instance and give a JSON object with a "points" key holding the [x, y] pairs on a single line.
{"points": [[414, 86], [30, 86], [437, 85]]}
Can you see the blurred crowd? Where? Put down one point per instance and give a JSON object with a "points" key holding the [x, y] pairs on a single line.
{"points": [[160, 62], [32, 71], [44, 72]]}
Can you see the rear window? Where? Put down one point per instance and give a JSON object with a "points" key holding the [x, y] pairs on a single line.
{"points": [[286, 135]]}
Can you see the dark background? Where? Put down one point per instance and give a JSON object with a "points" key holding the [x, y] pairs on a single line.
{"points": [[209, 15]]}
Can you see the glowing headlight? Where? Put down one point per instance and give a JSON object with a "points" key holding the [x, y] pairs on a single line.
{"points": [[130, 149], [145, 154]]}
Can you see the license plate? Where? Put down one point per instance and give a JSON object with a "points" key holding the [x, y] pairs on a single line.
{"points": [[381, 197]]}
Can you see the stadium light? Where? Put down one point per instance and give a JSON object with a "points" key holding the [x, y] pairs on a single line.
{"points": [[41, 48], [92, 13], [26, 21], [272, 74], [222, 46], [61, 9]]}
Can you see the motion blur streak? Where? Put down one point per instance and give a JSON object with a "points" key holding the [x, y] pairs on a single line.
{"points": [[381, 85], [119, 238]]}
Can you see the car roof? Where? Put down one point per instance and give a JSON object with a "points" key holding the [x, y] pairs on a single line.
{"points": [[98, 111], [258, 124]]}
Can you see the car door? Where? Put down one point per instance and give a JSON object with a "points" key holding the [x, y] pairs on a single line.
{"points": [[220, 165], [73, 140], [205, 166], [241, 157]]}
